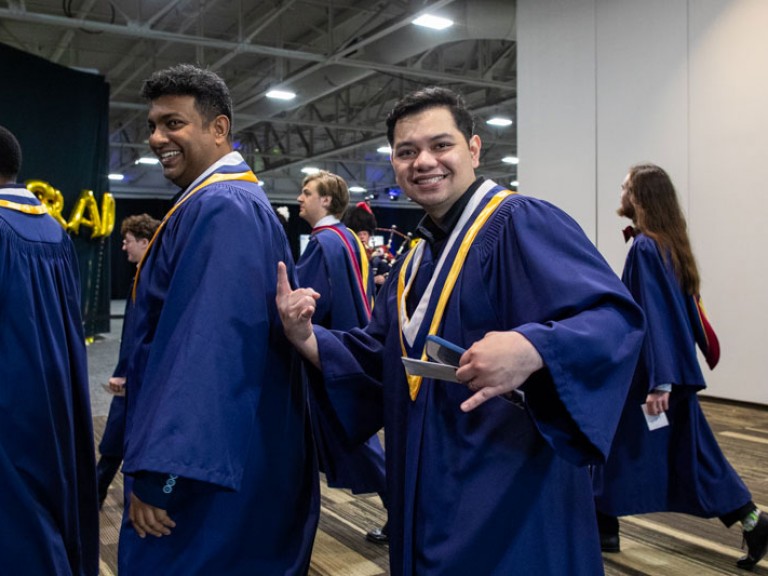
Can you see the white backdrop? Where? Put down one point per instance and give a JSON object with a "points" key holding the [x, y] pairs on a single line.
{"points": [[604, 84]]}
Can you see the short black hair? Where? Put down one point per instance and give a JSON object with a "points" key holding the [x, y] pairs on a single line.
{"points": [[10, 155], [211, 93], [432, 97]]}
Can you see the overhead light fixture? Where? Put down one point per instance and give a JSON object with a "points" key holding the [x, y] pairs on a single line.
{"points": [[310, 170], [281, 95], [510, 160], [433, 22], [357, 189], [148, 160], [499, 121], [384, 150], [514, 183], [116, 177]]}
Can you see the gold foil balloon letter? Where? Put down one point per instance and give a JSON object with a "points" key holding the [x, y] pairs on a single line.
{"points": [[52, 198], [85, 213]]}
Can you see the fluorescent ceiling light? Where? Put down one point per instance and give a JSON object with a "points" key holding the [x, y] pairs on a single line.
{"points": [[310, 170], [116, 177], [384, 150], [499, 121], [149, 160], [281, 95], [433, 22], [357, 189], [511, 160], [514, 183]]}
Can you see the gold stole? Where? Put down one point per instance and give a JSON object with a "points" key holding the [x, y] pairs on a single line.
{"points": [[414, 382], [35, 209]]}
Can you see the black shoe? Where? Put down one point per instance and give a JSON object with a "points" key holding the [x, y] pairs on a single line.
{"points": [[757, 543], [378, 536], [609, 542]]}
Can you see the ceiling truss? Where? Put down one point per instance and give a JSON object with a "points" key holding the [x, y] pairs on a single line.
{"points": [[348, 61]]}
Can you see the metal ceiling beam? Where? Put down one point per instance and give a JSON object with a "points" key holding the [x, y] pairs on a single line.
{"points": [[252, 119], [134, 30], [143, 32]]}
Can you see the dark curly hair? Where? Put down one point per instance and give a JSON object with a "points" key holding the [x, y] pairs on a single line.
{"points": [[142, 226], [211, 94]]}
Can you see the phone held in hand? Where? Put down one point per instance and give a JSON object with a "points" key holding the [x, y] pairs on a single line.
{"points": [[443, 351], [447, 353]]}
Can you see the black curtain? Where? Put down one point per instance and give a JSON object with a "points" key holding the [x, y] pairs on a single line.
{"points": [[60, 117]]}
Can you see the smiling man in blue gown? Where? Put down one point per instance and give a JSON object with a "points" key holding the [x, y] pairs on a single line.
{"points": [[482, 479], [218, 443]]}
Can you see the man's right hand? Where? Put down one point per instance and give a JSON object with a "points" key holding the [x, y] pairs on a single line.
{"points": [[296, 308], [147, 519]]}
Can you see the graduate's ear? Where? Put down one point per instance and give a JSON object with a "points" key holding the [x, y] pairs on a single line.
{"points": [[221, 128], [474, 150]]}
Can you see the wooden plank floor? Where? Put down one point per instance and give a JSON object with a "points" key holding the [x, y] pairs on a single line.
{"points": [[652, 544]]}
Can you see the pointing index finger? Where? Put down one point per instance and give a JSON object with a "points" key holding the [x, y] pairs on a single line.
{"points": [[283, 286]]}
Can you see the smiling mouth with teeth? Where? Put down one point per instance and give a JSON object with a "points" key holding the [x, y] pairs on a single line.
{"points": [[431, 180]]}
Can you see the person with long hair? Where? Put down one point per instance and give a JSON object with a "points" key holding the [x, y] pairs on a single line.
{"points": [[665, 456]]}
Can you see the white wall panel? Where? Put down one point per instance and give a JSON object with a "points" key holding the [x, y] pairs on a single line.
{"points": [[641, 103], [604, 84], [556, 109], [728, 185]]}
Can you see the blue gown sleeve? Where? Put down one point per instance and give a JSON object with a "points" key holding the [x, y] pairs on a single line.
{"points": [[353, 368], [551, 285]]}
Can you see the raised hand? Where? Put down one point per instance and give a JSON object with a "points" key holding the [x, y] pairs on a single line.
{"points": [[296, 308]]}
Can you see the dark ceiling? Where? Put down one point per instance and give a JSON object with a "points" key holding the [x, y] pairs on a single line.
{"points": [[347, 61]]}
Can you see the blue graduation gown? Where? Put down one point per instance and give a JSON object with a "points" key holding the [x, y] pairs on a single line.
{"points": [[501, 489], [48, 508], [216, 395], [678, 468], [327, 267]]}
